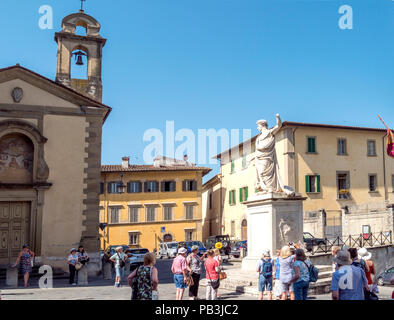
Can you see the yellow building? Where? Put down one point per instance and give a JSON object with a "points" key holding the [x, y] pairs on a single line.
{"points": [[160, 202], [338, 168]]}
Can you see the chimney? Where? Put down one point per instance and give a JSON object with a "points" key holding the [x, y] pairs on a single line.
{"points": [[125, 162]]}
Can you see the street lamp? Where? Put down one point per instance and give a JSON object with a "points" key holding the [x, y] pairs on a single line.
{"points": [[121, 187]]}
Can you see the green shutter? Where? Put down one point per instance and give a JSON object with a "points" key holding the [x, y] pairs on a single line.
{"points": [[307, 184], [240, 195], [229, 197], [246, 194], [234, 197], [318, 183]]}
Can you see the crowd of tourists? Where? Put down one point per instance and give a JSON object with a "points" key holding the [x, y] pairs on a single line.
{"points": [[290, 273]]}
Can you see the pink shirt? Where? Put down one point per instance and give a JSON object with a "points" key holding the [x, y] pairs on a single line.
{"points": [[210, 268], [179, 264]]}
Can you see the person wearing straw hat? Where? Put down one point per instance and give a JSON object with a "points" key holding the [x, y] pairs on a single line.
{"points": [[179, 268], [119, 259], [366, 256], [349, 282]]}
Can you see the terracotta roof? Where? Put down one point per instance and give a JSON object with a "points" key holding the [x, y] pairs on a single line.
{"points": [[143, 168], [214, 180], [303, 124], [87, 99]]}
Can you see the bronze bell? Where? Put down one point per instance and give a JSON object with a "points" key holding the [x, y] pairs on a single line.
{"points": [[79, 60]]}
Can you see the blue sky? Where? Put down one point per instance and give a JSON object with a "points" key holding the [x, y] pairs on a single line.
{"points": [[221, 63]]}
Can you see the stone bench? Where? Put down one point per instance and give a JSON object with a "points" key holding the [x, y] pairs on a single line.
{"points": [[83, 276]]}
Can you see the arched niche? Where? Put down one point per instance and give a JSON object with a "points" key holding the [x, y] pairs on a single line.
{"points": [[23, 138]]}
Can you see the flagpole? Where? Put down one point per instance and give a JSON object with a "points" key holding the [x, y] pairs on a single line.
{"points": [[384, 123]]}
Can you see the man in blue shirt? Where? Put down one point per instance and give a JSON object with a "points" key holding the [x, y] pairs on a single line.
{"points": [[348, 282]]}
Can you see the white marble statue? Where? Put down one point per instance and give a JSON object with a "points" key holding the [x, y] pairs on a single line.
{"points": [[267, 171]]}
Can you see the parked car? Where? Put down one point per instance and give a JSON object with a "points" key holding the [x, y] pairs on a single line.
{"points": [[224, 239], [168, 249], [136, 257], [386, 277], [311, 241], [237, 247], [201, 247]]}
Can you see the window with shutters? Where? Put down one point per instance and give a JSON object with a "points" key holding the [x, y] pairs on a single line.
{"points": [[167, 213], [232, 231], [189, 212], [232, 166], [168, 186], [311, 144], [243, 194], [134, 214], [134, 187], [151, 186], [312, 183], [231, 198], [372, 182], [113, 186], [371, 148], [134, 238], [244, 163], [189, 234], [189, 185], [115, 215], [343, 185], [210, 200], [342, 147], [101, 187], [150, 213]]}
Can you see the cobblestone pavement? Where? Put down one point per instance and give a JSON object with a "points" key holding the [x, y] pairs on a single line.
{"points": [[99, 289]]}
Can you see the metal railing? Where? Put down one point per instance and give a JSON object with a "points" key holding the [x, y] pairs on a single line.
{"points": [[354, 241]]}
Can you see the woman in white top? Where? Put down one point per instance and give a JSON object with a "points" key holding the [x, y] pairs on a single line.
{"points": [[219, 259]]}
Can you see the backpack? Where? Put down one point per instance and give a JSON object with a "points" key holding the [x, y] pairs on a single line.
{"points": [[266, 268], [313, 272]]}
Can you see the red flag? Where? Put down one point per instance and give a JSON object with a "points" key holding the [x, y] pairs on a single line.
{"points": [[390, 143]]}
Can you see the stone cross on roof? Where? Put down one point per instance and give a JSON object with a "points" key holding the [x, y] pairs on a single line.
{"points": [[82, 1]]}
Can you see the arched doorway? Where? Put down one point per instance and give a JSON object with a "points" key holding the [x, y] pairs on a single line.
{"points": [[16, 168], [244, 229], [167, 238]]}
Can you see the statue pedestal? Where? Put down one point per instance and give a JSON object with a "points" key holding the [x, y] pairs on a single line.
{"points": [[274, 220], [83, 276]]}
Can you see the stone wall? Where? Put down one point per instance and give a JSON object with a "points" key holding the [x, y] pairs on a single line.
{"points": [[379, 220], [314, 223], [383, 257]]}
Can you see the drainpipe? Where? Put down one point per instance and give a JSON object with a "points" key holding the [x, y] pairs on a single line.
{"points": [[386, 197], [294, 164]]}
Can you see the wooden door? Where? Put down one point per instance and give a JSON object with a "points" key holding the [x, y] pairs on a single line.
{"points": [[14, 229]]}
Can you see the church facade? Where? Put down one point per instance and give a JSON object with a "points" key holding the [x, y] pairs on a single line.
{"points": [[50, 153]]}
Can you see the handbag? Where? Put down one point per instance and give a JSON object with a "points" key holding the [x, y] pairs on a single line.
{"points": [[368, 295], [121, 262], [215, 284], [189, 281], [155, 293], [222, 275], [78, 266]]}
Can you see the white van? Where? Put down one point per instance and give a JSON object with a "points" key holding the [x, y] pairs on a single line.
{"points": [[168, 249]]}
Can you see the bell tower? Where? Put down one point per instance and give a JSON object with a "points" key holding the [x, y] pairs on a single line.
{"points": [[89, 45]]}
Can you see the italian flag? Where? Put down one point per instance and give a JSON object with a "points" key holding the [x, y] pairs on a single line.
{"points": [[390, 143], [390, 140]]}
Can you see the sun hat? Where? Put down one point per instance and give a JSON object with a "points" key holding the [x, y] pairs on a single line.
{"points": [[72, 249], [343, 258], [195, 248], [182, 250], [266, 253], [364, 254], [118, 248]]}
